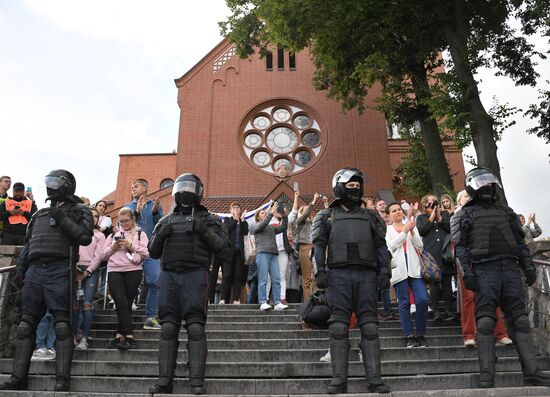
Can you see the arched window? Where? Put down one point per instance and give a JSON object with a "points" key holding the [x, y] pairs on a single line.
{"points": [[167, 182]]}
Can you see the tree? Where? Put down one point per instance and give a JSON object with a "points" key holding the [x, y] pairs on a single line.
{"points": [[358, 44]]}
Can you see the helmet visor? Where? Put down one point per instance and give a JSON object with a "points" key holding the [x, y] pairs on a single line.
{"points": [[346, 176], [479, 181], [187, 186], [54, 182]]}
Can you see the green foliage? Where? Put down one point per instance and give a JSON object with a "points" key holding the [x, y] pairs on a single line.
{"points": [[413, 169], [541, 112]]}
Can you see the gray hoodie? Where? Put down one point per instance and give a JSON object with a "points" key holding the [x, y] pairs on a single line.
{"points": [[264, 234]]}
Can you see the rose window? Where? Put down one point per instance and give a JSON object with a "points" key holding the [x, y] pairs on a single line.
{"points": [[282, 136]]}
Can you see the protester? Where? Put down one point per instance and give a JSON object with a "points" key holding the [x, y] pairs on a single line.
{"points": [[125, 252], [385, 293], [266, 256], [90, 258], [284, 253], [147, 213], [531, 233], [300, 221], [447, 204], [105, 221], [45, 339], [403, 240], [15, 213], [5, 183], [434, 226], [234, 270]]}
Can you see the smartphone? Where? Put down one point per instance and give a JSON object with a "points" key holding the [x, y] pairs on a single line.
{"points": [[29, 189], [296, 187], [118, 238]]}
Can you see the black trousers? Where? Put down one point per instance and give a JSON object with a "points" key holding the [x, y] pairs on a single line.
{"points": [[233, 269], [442, 291], [124, 287], [213, 278]]}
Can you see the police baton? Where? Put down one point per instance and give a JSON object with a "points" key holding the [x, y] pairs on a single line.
{"points": [[71, 285]]}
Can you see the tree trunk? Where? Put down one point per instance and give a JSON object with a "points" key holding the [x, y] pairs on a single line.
{"points": [[435, 154], [481, 124]]}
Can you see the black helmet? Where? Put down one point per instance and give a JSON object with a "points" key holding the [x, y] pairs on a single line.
{"points": [[187, 189], [60, 184], [344, 176], [481, 183]]}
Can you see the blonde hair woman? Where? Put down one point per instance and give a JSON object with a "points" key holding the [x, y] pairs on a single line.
{"points": [[125, 251]]}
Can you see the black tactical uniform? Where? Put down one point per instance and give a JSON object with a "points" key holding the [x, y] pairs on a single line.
{"points": [[490, 247], [351, 241], [186, 242], [44, 265]]}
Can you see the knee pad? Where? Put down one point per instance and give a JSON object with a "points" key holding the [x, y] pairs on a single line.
{"points": [[369, 331], [26, 328], [338, 330], [169, 331], [486, 325], [195, 331], [521, 324], [62, 330]]}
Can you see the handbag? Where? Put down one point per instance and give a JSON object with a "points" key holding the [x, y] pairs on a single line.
{"points": [[249, 250], [447, 251], [429, 269]]}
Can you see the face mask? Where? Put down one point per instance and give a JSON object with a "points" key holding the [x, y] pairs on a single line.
{"points": [[354, 194], [186, 198]]}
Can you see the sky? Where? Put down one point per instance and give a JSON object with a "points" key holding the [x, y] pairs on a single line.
{"points": [[84, 81]]}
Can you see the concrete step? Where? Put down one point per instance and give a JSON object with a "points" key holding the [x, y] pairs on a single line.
{"points": [[148, 366], [290, 355], [286, 386], [497, 392], [151, 342]]}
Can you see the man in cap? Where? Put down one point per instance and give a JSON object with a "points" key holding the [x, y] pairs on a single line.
{"points": [[16, 213]]}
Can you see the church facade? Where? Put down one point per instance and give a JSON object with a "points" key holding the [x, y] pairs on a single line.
{"points": [[253, 128]]}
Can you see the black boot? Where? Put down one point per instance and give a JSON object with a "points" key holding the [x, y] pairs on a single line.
{"points": [[339, 352], [63, 360], [532, 376], [486, 356], [196, 362], [24, 346], [370, 349], [168, 355]]}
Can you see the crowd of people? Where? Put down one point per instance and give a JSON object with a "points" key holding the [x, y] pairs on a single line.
{"points": [[278, 255]]}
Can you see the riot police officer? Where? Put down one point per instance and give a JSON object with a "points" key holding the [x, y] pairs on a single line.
{"points": [[186, 241], [490, 248], [44, 264], [350, 240]]}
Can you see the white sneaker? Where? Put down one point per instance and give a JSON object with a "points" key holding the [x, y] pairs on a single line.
{"points": [[280, 306], [134, 306], [360, 356], [82, 345], [222, 302], [470, 343], [326, 358], [504, 342], [413, 308], [236, 302], [265, 306], [40, 354]]}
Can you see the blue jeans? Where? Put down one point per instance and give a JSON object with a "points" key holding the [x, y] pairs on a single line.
{"points": [[253, 292], [45, 333], [151, 272], [421, 300], [268, 264], [102, 281], [85, 309], [386, 302]]}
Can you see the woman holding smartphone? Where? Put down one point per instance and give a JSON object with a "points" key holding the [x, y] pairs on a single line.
{"points": [[125, 252], [89, 260]]}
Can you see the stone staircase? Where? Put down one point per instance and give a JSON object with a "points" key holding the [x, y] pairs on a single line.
{"points": [[254, 353]]}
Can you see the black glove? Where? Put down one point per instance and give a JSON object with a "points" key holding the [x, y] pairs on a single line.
{"points": [[530, 276], [470, 282], [164, 231], [18, 279], [384, 281], [199, 226], [321, 279], [57, 214]]}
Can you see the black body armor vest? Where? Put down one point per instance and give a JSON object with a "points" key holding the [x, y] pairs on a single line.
{"points": [[48, 242]]}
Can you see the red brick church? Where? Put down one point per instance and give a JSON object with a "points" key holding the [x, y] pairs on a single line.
{"points": [[250, 128]]}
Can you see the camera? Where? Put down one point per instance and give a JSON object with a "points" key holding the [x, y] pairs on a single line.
{"points": [[435, 203]]}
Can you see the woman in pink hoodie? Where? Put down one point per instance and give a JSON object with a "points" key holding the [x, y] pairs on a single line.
{"points": [[125, 251], [89, 260]]}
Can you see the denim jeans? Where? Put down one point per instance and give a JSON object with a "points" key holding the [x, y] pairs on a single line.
{"points": [[421, 300], [45, 333], [253, 292], [386, 301], [151, 272], [268, 264], [85, 309]]}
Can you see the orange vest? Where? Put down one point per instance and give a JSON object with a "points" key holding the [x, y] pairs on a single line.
{"points": [[25, 205]]}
